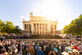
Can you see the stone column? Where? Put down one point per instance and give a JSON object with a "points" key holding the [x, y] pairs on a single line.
{"points": [[27, 27], [48, 28], [39, 28], [43, 28], [32, 28], [36, 28]]}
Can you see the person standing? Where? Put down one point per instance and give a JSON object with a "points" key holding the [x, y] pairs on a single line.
{"points": [[40, 52], [52, 52], [31, 50]]}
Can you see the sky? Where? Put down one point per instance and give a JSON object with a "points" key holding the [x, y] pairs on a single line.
{"points": [[64, 11]]}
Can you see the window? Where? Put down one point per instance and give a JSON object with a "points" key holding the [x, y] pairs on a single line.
{"points": [[25, 26]]}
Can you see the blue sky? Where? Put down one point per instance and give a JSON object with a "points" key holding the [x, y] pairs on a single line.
{"points": [[62, 10]]}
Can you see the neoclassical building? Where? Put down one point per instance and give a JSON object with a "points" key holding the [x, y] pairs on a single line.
{"points": [[39, 25]]}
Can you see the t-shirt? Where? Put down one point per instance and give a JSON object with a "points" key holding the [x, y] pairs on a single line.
{"points": [[56, 50], [76, 47]]}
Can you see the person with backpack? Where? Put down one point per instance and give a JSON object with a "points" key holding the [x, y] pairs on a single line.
{"points": [[46, 49], [56, 49], [52, 52]]}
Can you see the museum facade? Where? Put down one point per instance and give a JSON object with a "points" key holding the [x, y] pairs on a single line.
{"points": [[39, 25]]}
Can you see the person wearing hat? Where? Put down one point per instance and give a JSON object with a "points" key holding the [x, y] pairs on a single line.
{"points": [[40, 52]]}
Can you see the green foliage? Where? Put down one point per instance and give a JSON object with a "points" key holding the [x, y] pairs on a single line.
{"points": [[17, 30], [2, 26], [9, 27], [75, 27]]}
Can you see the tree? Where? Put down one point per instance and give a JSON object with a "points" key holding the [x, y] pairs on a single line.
{"points": [[2, 26], [9, 27], [75, 27], [17, 30]]}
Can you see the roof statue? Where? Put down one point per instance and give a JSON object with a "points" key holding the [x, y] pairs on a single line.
{"points": [[31, 13], [24, 19]]}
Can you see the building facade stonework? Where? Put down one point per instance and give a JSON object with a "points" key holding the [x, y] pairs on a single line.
{"points": [[39, 25]]}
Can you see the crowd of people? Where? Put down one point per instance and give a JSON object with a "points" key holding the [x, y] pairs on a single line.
{"points": [[40, 47]]}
